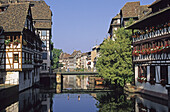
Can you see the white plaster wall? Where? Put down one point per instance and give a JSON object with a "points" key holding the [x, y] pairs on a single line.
{"points": [[155, 88], [136, 73], [148, 73], [12, 78], [147, 86], [23, 84], [157, 71]]}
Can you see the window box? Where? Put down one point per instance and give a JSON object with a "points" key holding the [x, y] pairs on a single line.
{"points": [[141, 79], [8, 42], [16, 42]]}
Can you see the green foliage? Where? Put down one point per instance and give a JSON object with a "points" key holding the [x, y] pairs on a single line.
{"points": [[7, 42], [114, 102], [115, 61], [56, 54]]}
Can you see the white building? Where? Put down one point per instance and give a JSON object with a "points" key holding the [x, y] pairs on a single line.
{"points": [[151, 50], [20, 50]]}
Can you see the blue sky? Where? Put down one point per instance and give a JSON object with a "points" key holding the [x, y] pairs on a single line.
{"points": [[81, 24]]}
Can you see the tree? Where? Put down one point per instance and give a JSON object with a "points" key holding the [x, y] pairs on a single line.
{"points": [[56, 54], [115, 61]]}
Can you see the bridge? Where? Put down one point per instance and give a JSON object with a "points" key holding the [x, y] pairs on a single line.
{"points": [[67, 73], [77, 73]]}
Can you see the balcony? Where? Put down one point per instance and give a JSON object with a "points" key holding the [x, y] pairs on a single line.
{"points": [[154, 56], [151, 33]]}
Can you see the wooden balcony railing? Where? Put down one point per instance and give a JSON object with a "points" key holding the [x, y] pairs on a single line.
{"points": [[152, 57], [151, 34]]}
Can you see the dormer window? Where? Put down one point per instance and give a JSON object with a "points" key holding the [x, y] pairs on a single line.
{"points": [[144, 12]]}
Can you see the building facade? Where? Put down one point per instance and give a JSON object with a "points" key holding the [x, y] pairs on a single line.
{"points": [[73, 60], [151, 49], [84, 60], [63, 59], [131, 10], [20, 47], [94, 56], [42, 19]]}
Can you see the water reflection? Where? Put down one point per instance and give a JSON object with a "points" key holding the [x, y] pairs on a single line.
{"points": [[149, 104], [82, 82], [59, 100]]}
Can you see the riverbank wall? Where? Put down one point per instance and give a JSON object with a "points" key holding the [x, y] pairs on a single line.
{"points": [[134, 89]]}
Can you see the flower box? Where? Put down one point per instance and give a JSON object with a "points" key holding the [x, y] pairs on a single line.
{"points": [[142, 79], [16, 42], [8, 42]]}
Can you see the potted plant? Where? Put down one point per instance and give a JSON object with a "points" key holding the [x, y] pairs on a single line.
{"points": [[163, 83], [8, 42], [160, 48], [153, 50], [16, 42], [142, 79]]}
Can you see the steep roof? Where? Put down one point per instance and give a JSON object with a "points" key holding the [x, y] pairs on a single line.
{"points": [[75, 53], [64, 55], [139, 24], [143, 10], [40, 10], [130, 9], [13, 19], [117, 16], [43, 24], [84, 54]]}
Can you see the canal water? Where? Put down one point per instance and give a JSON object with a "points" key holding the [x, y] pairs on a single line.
{"points": [[80, 94]]}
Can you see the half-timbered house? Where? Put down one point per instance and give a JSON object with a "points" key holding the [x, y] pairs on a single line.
{"points": [[20, 47], [151, 49]]}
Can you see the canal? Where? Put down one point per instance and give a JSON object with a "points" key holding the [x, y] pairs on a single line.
{"points": [[80, 93]]}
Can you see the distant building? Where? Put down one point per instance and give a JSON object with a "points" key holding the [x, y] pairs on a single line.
{"points": [[20, 47], [84, 60], [72, 60], [130, 10], [88, 60], [94, 56], [63, 59]]}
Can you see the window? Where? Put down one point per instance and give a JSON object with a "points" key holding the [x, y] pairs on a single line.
{"points": [[15, 58], [152, 72], [44, 43], [25, 75], [44, 66], [43, 33], [44, 55], [164, 73], [142, 71]]}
